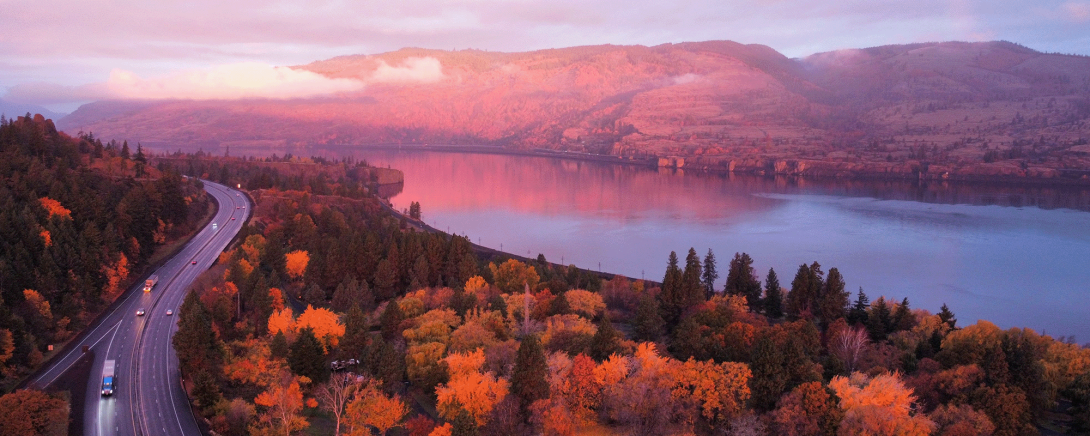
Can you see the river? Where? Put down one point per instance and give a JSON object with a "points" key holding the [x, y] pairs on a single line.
{"points": [[1014, 256]]}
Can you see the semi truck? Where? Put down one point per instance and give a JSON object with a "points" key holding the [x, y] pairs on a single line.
{"points": [[150, 283], [109, 380]]}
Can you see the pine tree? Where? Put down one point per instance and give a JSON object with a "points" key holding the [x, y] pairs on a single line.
{"points": [[528, 379], [140, 154], [692, 288], [386, 363], [307, 357], [710, 274], [947, 316], [648, 322], [902, 317], [858, 313], [878, 321], [769, 376], [559, 306], [464, 424], [125, 150], [195, 341], [673, 303], [773, 301], [205, 390], [391, 321], [833, 300], [278, 348], [352, 293], [741, 280], [357, 334], [605, 340]]}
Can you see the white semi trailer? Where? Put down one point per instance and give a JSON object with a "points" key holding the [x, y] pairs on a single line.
{"points": [[109, 380]]}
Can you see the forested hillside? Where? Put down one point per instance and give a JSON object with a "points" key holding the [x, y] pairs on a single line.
{"points": [[940, 110], [334, 316], [77, 219]]}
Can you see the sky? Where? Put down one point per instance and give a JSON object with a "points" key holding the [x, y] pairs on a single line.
{"points": [[60, 53]]}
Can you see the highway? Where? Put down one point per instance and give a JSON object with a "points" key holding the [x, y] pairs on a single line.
{"points": [[148, 398]]}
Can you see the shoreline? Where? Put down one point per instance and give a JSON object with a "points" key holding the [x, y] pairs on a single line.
{"points": [[1071, 181]]}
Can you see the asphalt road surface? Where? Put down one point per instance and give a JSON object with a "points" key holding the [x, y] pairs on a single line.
{"points": [[148, 398]]}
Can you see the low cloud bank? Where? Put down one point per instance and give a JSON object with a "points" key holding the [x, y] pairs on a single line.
{"points": [[412, 70]]}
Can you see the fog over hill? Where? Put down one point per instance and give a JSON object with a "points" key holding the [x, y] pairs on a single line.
{"points": [[983, 109]]}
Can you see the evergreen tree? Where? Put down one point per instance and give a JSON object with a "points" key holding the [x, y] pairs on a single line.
{"points": [[464, 424], [769, 376], [605, 340], [741, 279], [806, 291], [857, 315], [205, 390], [140, 154], [385, 362], [125, 150], [391, 321], [693, 289], [195, 341], [833, 300], [648, 322], [710, 274], [528, 379], [902, 317], [357, 334], [307, 357], [947, 316], [773, 301], [673, 303], [352, 293], [314, 295], [878, 321], [559, 306], [278, 348]]}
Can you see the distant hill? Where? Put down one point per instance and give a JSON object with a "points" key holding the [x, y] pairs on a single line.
{"points": [[947, 109], [15, 110]]}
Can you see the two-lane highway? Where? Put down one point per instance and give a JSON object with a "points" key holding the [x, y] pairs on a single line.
{"points": [[148, 398]]}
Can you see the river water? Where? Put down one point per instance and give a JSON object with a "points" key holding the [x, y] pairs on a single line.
{"points": [[1014, 256]]}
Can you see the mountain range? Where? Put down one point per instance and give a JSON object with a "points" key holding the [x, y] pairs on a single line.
{"points": [[937, 110]]}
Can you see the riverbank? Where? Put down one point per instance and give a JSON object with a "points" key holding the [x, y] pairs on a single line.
{"points": [[1004, 173]]}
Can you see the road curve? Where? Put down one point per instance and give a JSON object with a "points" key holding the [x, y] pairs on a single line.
{"points": [[148, 398]]}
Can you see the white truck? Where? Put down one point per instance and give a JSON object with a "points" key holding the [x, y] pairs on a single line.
{"points": [[150, 283], [109, 380]]}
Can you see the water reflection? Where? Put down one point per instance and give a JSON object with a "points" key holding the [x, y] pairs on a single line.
{"points": [[1013, 255]]}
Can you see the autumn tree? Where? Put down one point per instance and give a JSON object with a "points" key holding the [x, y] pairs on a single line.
{"points": [[879, 405], [808, 410], [296, 262], [719, 390], [323, 323], [469, 388], [282, 405], [512, 275], [370, 407], [334, 395], [30, 412]]}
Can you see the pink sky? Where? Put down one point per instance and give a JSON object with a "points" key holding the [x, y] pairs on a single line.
{"points": [[56, 50]]}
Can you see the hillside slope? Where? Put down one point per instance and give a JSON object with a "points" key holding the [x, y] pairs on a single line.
{"points": [[983, 109]]}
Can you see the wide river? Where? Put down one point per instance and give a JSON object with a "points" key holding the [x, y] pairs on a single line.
{"points": [[1014, 256]]}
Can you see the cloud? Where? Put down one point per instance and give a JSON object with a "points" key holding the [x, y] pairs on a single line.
{"points": [[229, 82], [412, 70], [1078, 12], [224, 82]]}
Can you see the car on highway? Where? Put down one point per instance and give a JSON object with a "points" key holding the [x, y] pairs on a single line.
{"points": [[139, 312], [238, 207], [194, 262], [232, 218], [170, 312]]}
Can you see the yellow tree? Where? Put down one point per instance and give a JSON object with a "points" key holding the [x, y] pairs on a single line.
{"points": [[326, 325], [878, 406], [282, 321], [512, 275], [372, 407], [584, 302], [475, 284], [469, 389], [296, 263], [721, 390], [55, 208], [115, 273], [283, 403]]}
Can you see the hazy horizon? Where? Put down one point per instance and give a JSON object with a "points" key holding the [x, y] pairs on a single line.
{"points": [[59, 54]]}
